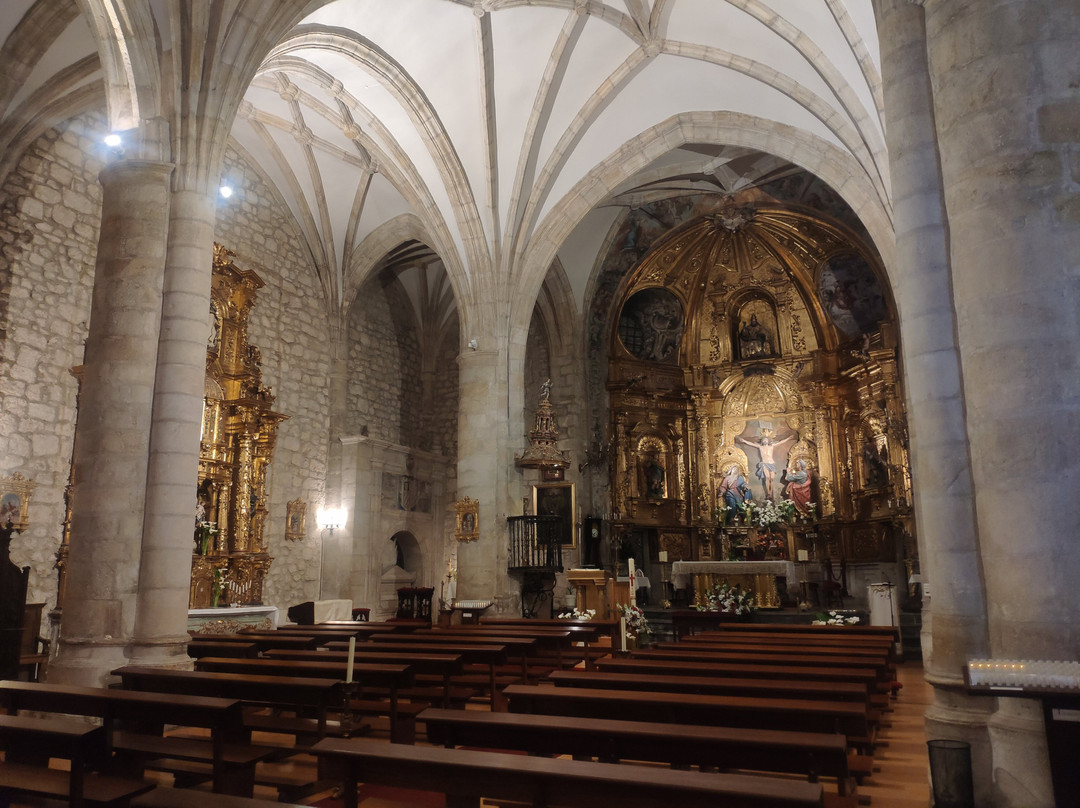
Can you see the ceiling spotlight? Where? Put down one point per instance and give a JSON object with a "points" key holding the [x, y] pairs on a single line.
{"points": [[226, 191], [113, 140]]}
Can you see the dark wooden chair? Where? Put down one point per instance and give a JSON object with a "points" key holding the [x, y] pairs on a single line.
{"points": [[34, 652], [833, 585]]}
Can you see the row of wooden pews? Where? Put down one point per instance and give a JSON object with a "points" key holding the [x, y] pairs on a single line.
{"points": [[106, 764], [551, 718], [805, 702]]}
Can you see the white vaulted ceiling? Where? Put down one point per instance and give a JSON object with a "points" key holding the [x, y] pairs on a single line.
{"points": [[486, 115], [485, 123]]}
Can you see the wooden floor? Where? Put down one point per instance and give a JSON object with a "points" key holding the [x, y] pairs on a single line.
{"points": [[902, 769]]}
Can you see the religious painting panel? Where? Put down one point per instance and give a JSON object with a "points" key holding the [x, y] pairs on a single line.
{"points": [[468, 519], [767, 443], [557, 499], [15, 491], [651, 325], [295, 520], [851, 294]]}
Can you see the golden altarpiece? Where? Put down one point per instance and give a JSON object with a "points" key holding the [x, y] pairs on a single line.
{"points": [[239, 429], [754, 359]]}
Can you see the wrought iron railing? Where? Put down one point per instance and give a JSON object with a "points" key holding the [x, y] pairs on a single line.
{"points": [[535, 542]]}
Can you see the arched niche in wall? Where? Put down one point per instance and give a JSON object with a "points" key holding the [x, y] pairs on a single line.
{"points": [[651, 325]]}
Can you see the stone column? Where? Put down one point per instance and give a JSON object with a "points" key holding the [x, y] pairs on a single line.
{"points": [[482, 425], [337, 550], [172, 477], [1008, 123], [954, 623], [114, 423]]}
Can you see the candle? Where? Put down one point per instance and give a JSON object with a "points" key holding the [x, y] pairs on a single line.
{"points": [[622, 634], [663, 556], [352, 656], [633, 584]]}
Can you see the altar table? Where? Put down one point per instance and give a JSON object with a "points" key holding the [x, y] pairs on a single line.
{"points": [[757, 576]]}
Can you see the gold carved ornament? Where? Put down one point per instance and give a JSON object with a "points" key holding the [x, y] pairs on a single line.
{"points": [[15, 491], [468, 519]]}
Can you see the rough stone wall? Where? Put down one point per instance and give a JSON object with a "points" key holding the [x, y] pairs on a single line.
{"points": [[384, 388], [443, 418], [50, 210], [289, 325], [537, 369]]}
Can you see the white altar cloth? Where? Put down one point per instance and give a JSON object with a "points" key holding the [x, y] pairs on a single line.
{"points": [[682, 572]]}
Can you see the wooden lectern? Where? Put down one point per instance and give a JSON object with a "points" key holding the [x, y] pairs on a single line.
{"points": [[591, 588]]}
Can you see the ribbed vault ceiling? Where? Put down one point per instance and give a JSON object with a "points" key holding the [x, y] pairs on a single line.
{"points": [[484, 121]]}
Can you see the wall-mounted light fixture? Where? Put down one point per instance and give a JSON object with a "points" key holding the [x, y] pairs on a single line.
{"points": [[330, 519], [473, 344]]}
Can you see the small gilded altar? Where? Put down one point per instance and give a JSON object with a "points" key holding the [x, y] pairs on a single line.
{"points": [[239, 430]]}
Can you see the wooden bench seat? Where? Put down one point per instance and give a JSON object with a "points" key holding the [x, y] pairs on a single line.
{"points": [[30, 741], [774, 688], [466, 776], [162, 797], [804, 715], [134, 725], [673, 651], [810, 754], [369, 678], [681, 667], [230, 765], [302, 695]]}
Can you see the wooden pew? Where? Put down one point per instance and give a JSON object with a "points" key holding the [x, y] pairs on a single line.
{"points": [[856, 630], [367, 675], [289, 692], [767, 647], [716, 686], [239, 650], [803, 715], [745, 639], [672, 651], [810, 754], [680, 667], [269, 639], [29, 742], [164, 797], [467, 776], [439, 667], [134, 723], [480, 661], [583, 635], [880, 657]]}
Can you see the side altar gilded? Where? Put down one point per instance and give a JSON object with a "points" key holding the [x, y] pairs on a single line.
{"points": [[239, 430]]}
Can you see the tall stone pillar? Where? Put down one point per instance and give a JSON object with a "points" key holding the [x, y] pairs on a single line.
{"points": [[115, 407], [954, 622], [173, 469], [482, 430], [337, 550], [1008, 123]]}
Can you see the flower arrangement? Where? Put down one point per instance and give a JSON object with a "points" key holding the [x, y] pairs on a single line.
{"points": [[578, 614], [204, 535], [835, 619], [221, 586], [636, 622], [728, 600], [770, 513]]}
